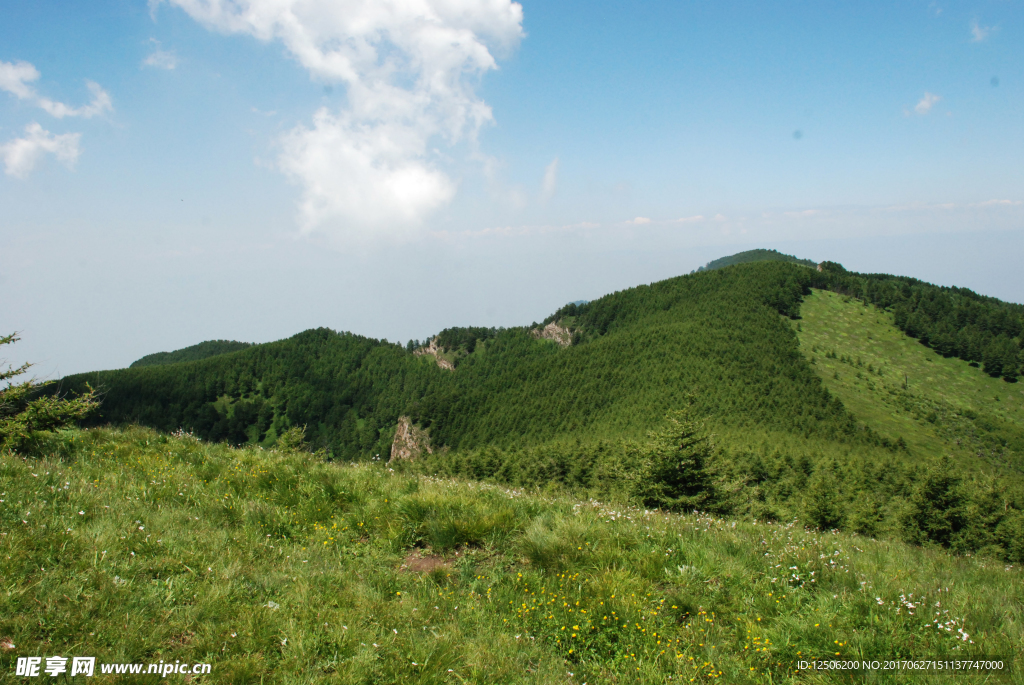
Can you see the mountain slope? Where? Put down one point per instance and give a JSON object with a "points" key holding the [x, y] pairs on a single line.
{"points": [[204, 350], [939, 404], [641, 353], [797, 434], [273, 566]]}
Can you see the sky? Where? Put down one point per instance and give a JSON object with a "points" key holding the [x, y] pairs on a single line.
{"points": [[186, 170]]}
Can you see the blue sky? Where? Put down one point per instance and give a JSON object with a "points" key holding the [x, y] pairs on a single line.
{"points": [[187, 170]]}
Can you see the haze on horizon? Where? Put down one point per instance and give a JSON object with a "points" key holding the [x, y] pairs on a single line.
{"points": [[184, 170]]}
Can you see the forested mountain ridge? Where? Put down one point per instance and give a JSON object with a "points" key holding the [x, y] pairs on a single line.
{"points": [[724, 344], [754, 256], [715, 335], [637, 353], [204, 350]]}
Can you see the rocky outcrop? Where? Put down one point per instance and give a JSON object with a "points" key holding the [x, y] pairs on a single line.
{"points": [[410, 442], [553, 331], [433, 349]]}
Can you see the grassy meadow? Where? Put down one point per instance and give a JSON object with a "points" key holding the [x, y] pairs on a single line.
{"points": [[278, 567], [901, 388]]}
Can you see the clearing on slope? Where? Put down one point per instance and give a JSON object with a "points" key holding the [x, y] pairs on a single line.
{"points": [[901, 388]]}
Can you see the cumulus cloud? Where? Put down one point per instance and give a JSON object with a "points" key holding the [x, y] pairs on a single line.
{"points": [[367, 176], [409, 67], [550, 179], [21, 155], [690, 219], [979, 32], [15, 79], [639, 221], [160, 59], [926, 103]]}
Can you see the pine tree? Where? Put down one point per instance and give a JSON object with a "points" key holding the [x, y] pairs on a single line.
{"points": [[823, 507], [938, 507], [24, 415], [672, 469]]}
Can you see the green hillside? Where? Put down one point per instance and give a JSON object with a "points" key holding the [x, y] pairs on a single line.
{"points": [[203, 350], [798, 429], [754, 256], [938, 404], [640, 353], [276, 567]]}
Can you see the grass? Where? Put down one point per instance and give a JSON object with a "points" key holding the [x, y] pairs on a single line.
{"points": [[276, 567], [901, 388]]}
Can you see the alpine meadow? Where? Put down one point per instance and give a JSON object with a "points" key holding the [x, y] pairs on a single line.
{"points": [[724, 476]]}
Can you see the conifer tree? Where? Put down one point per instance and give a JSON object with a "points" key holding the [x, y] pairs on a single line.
{"points": [[938, 507], [23, 416], [823, 507], [672, 469]]}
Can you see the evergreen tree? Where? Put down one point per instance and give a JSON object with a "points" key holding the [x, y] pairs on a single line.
{"points": [[672, 469], [823, 507], [938, 507], [24, 414], [995, 353], [868, 516]]}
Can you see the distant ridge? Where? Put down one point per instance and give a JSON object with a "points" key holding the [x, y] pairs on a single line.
{"points": [[837, 399], [755, 256], [204, 350]]}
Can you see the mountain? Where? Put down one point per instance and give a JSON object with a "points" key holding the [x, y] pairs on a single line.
{"points": [[754, 256], [811, 387], [204, 350]]}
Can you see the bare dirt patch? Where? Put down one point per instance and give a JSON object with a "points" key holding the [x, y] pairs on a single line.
{"points": [[182, 639], [418, 561]]}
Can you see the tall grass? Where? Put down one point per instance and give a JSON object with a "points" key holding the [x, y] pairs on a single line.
{"points": [[275, 567]]}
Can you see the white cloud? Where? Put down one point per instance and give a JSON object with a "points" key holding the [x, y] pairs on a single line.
{"points": [[100, 104], [926, 103], [409, 67], [639, 221], [361, 176], [979, 32], [21, 154], [16, 77], [690, 219], [550, 179], [160, 59]]}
